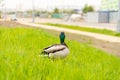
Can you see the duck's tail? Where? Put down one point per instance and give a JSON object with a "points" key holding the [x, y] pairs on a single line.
{"points": [[44, 54]]}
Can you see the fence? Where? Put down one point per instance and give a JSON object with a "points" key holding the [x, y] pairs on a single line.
{"points": [[102, 17]]}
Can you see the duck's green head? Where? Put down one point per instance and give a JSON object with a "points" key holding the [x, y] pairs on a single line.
{"points": [[62, 37]]}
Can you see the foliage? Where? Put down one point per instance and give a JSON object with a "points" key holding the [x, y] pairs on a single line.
{"points": [[20, 60], [29, 11], [88, 8], [85, 9], [56, 10], [70, 11], [36, 12]]}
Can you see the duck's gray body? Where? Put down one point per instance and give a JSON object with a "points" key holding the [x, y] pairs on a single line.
{"points": [[57, 50]]}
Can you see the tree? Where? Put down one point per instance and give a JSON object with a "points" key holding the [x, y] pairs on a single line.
{"points": [[85, 9], [56, 10], [88, 9]]}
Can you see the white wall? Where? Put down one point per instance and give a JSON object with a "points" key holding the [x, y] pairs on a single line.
{"points": [[113, 17], [92, 17]]}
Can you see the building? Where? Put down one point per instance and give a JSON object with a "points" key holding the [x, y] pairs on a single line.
{"points": [[109, 5]]}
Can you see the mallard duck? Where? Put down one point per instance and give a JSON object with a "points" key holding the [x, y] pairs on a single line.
{"points": [[57, 50]]}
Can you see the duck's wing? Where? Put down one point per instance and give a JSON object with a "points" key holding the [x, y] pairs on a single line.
{"points": [[54, 48]]}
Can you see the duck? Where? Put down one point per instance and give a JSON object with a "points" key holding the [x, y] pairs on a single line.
{"points": [[57, 50]]}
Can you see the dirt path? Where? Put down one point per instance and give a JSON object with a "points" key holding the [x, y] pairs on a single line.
{"points": [[110, 47], [94, 35]]}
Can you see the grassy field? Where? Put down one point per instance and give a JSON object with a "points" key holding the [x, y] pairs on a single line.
{"points": [[94, 30], [20, 60]]}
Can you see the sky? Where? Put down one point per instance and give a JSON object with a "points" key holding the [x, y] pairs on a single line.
{"points": [[27, 4]]}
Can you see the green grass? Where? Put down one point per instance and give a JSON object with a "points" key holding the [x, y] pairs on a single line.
{"points": [[19, 60], [94, 30]]}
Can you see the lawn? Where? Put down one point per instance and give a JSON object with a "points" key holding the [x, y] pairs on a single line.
{"points": [[94, 30], [20, 60]]}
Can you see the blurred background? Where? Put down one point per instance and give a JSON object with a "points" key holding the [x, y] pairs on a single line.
{"points": [[95, 11]]}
